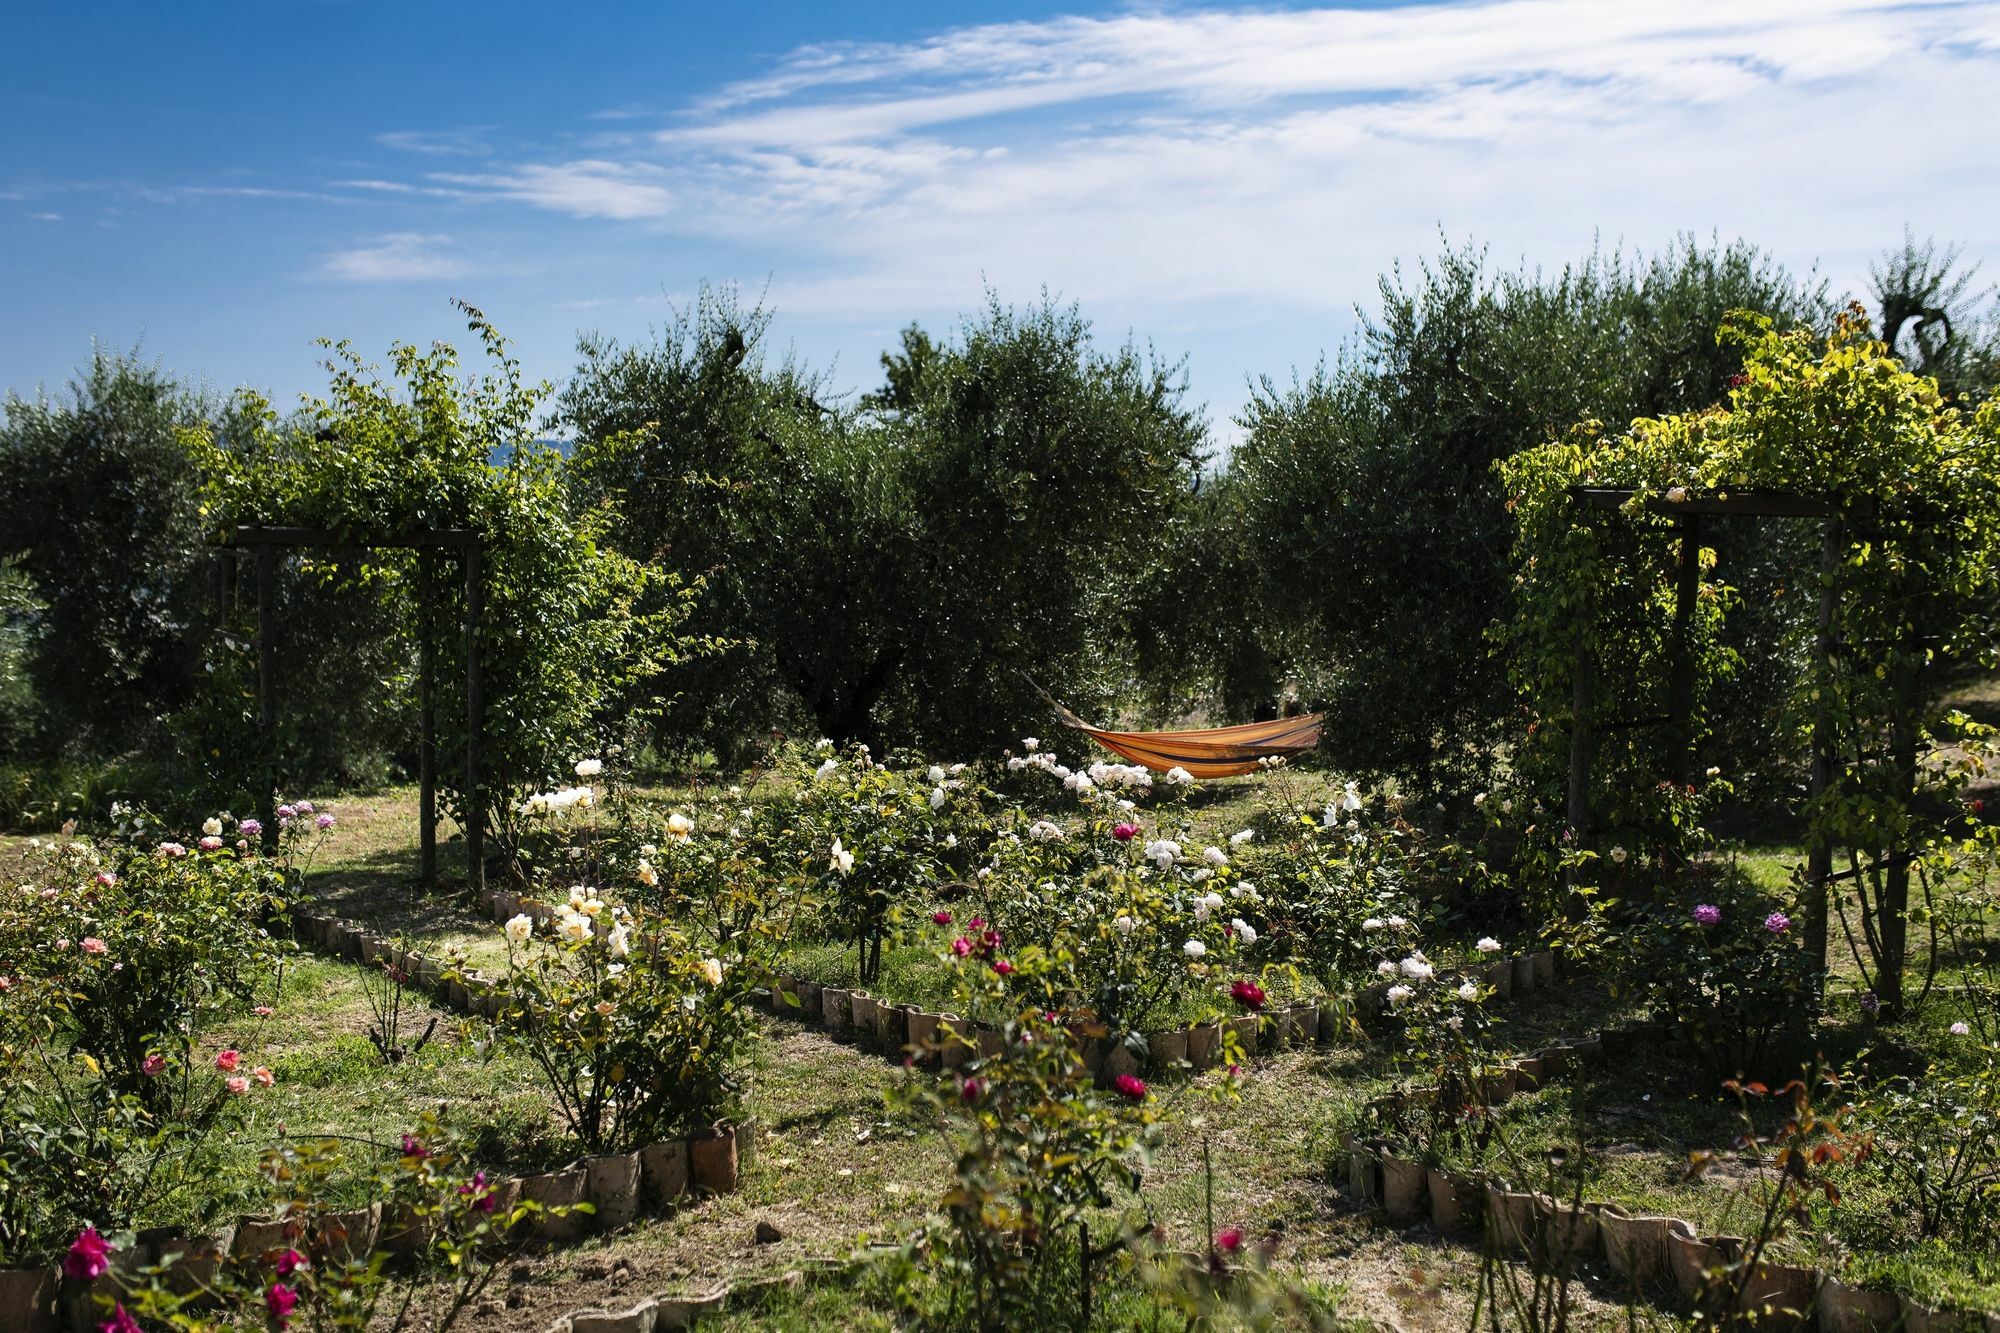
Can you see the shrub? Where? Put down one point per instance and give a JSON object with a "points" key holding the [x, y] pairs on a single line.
{"points": [[638, 1036], [1727, 966], [1037, 1149], [148, 948], [1936, 1152]]}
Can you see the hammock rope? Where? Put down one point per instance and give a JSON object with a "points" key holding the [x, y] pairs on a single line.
{"points": [[1211, 752]]}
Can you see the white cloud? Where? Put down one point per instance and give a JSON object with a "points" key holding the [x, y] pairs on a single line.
{"points": [[1233, 181], [586, 189], [46, 217], [1148, 160], [397, 257], [468, 142]]}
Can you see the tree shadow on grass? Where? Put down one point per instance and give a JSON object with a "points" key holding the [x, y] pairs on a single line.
{"points": [[381, 889]]}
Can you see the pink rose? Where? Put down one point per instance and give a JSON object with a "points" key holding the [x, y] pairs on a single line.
{"points": [[263, 1076], [1130, 1087], [91, 944], [153, 1066], [121, 1321], [237, 1085], [280, 1300], [89, 1256], [228, 1060]]}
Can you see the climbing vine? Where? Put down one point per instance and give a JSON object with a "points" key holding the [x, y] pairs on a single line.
{"points": [[571, 630], [1911, 492]]}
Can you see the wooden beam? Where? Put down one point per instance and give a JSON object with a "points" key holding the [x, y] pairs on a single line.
{"points": [[1748, 504], [249, 535]]}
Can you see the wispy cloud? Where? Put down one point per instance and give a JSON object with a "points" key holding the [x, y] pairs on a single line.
{"points": [[470, 141], [396, 257], [585, 189], [46, 217]]}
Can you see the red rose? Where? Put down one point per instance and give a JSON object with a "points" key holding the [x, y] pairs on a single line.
{"points": [[1248, 994], [1130, 1087]]}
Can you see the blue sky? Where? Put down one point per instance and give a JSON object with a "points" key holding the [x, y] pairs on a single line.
{"points": [[221, 183]]}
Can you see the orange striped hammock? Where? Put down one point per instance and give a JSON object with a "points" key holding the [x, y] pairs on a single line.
{"points": [[1214, 752]]}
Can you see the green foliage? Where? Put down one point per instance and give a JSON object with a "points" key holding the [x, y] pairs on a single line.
{"points": [[120, 969], [890, 571], [1916, 529], [103, 520], [1037, 1149], [871, 842], [149, 949], [463, 1231], [1042, 475], [1378, 531], [638, 1036], [1931, 319], [1737, 987], [1936, 1150], [571, 630]]}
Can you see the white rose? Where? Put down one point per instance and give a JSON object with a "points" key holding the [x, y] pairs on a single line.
{"points": [[619, 942], [1194, 949], [1487, 944], [1244, 930], [212, 827], [1398, 995], [1215, 856], [1241, 836], [711, 971], [589, 768], [520, 928], [1469, 991]]}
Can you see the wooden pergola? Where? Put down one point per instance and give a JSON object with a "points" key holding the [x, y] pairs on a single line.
{"points": [[469, 548], [1689, 515]]}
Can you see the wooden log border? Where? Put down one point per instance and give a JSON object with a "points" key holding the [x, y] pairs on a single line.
{"points": [[1639, 1249], [619, 1186]]}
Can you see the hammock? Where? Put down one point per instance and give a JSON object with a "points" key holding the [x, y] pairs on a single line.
{"points": [[1214, 752]]}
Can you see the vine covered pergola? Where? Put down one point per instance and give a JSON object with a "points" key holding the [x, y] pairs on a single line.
{"points": [[467, 547], [1617, 641]]}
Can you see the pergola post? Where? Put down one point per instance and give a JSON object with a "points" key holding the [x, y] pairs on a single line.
{"points": [[425, 542], [1582, 743], [1819, 855], [1680, 688], [426, 720], [267, 691], [475, 813]]}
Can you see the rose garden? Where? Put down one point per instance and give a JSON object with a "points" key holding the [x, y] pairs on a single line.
{"points": [[1665, 989]]}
